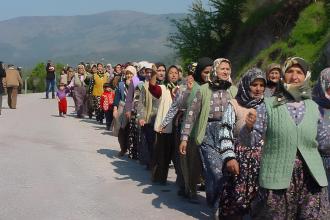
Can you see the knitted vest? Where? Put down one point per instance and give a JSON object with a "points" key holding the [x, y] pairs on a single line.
{"points": [[191, 97], [98, 84], [283, 139], [164, 106]]}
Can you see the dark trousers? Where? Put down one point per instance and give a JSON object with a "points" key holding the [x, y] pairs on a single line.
{"points": [[162, 156], [0, 102], [146, 145], [123, 139], [50, 86], [108, 117], [12, 96]]}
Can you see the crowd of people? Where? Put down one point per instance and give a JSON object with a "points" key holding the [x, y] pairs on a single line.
{"points": [[261, 149]]}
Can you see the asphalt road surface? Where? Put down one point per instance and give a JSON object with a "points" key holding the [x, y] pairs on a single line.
{"points": [[67, 168]]}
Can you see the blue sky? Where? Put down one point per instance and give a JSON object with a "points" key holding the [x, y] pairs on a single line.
{"points": [[17, 8]]}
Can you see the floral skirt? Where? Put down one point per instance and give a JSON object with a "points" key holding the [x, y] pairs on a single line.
{"points": [[133, 138], [241, 190], [303, 199]]}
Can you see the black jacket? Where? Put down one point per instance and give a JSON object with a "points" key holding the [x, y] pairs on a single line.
{"points": [[50, 74]]}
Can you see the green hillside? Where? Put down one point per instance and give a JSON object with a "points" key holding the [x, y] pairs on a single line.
{"points": [[307, 39]]}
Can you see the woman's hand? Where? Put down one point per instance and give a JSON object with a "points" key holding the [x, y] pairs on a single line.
{"points": [[251, 119], [183, 147], [233, 166], [142, 122]]}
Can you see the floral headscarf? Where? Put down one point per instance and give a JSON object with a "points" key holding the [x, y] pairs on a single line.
{"points": [[215, 82], [243, 96], [319, 94], [289, 92]]}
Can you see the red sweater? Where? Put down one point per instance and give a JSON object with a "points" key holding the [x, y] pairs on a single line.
{"points": [[107, 100]]}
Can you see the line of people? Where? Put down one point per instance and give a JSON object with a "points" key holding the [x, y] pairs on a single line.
{"points": [[260, 149]]}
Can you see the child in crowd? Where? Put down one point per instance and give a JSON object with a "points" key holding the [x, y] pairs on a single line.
{"points": [[106, 103], [61, 98]]}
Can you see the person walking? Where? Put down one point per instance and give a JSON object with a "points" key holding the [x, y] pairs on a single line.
{"points": [[13, 81], [2, 89], [50, 79]]}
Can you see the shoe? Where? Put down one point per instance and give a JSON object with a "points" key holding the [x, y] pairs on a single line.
{"points": [[121, 154], [192, 198], [182, 192], [108, 128], [201, 187]]}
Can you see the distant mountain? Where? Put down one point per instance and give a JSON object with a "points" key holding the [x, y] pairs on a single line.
{"points": [[116, 36]]}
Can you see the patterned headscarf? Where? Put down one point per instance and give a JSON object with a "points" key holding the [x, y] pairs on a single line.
{"points": [[289, 92], [243, 96], [216, 83], [319, 94], [201, 65]]}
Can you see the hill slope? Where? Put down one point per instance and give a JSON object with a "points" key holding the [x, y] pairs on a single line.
{"points": [[116, 36]]}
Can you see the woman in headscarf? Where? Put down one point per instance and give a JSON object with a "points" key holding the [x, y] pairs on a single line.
{"points": [[131, 114], [321, 95], [120, 126], [90, 98], [147, 108], [273, 75], [97, 83], [206, 113], [292, 178], [164, 145], [241, 189], [190, 163], [79, 90]]}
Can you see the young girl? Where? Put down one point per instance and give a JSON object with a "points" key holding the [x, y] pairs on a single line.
{"points": [[107, 100], [61, 98]]}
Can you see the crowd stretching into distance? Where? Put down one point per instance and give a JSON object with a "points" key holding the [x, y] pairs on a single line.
{"points": [[259, 149]]}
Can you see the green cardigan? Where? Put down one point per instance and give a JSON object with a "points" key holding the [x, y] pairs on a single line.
{"points": [[204, 114], [283, 139]]}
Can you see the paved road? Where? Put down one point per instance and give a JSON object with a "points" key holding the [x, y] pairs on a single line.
{"points": [[66, 168]]}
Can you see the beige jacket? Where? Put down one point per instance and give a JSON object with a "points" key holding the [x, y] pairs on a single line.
{"points": [[13, 79]]}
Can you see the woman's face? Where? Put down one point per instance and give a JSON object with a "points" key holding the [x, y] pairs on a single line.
{"points": [[128, 75], [294, 75], [257, 88], [328, 91], [223, 71], [173, 75], [94, 69], [81, 70], [100, 68], [274, 75], [118, 69], [161, 73], [205, 75]]}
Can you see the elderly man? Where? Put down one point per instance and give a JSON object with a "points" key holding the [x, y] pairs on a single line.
{"points": [[13, 80]]}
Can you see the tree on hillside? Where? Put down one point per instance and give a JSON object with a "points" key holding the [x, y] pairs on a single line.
{"points": [[37, 77], [206, 32]]}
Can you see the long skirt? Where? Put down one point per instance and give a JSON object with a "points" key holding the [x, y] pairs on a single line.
{"points": [[79, 94], [304, 199], [326, 161], [97, 108], [162, 156], [119, 121], [212, 164], [191, 166], [147, 137], [241, 190], [90, 106], [132, 137]]}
